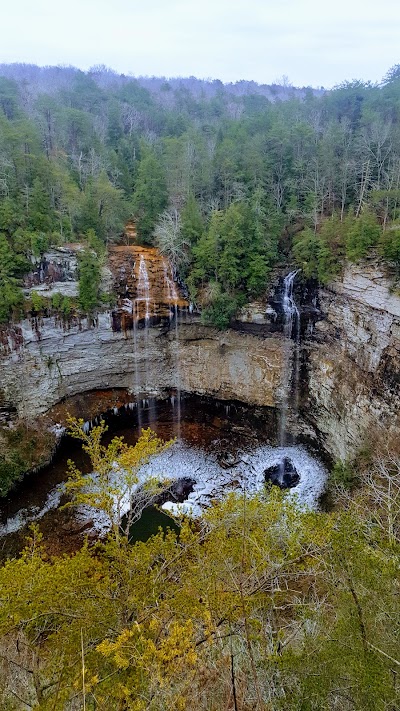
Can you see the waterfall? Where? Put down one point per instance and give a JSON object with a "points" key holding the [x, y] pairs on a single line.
{"points": [[136, 356], [291, 330], [172, 301], [170, 286], [143, 290], [141, 310]]}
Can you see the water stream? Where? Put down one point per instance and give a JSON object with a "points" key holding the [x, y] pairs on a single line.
{"points": [[172, 300], [142, 314], [291, 331]]}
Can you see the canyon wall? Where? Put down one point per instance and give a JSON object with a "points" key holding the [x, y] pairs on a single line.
{"points": [[350, 352], [353, 360], [45, 361]]}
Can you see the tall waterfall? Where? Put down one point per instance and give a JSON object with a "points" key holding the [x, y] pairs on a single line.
{"points": [[291, 330], [143, 291], [172, 300], [141, 310]]}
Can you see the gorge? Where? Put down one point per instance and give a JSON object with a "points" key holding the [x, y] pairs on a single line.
{"points": [[199, 390], [316, 366]]}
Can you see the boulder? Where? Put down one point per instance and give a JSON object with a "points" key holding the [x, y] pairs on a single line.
{"points": [[283, 474]]}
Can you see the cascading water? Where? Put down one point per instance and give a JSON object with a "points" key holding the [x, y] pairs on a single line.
{"points": [[291, 330], [141, 311], [143, 291], [172, 300]]}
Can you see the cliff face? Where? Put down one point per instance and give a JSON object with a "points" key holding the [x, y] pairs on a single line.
{"points": [[354, 360], [51, 362], [350, 380]]}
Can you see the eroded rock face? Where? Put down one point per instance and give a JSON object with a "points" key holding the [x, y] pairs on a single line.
{"points": [[350, 375], [51, 361], [144, 281], [354, 360], [57, 271]]}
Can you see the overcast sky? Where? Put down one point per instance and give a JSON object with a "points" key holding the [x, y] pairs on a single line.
{"points": [[312, 42]]}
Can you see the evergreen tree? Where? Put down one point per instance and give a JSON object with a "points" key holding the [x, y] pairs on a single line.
{"points": [[233, 251], [10, 293], [363, 234], [191, 221], [150, 195], [89, 280], [40, 212]]}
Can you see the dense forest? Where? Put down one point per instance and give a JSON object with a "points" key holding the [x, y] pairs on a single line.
{"points": [[227, 180]]}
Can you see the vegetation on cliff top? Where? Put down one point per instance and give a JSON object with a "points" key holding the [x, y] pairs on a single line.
{"points": [[227, 179]]}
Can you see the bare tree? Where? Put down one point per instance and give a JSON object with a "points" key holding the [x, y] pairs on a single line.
{"points": [[169, 238]]}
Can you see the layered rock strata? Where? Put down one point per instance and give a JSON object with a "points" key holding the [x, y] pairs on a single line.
{"points": [[52, 362], [354, 360]]}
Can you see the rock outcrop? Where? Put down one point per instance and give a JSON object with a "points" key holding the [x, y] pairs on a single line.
{"points": [[56, 271], [350, 374], [52, 362], [145, 284], [354, 360]]}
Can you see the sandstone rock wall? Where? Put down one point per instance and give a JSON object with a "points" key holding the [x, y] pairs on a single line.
{"points": [[354, 360], [49, 362], [351, 361]]}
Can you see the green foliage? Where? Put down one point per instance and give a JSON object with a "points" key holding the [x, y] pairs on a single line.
{"points": [[39, 243], [286, 608], [242, 174], [89, 280], [363, 234], [192, 222], [22, 449], [39, 209], [103, 489], [150, 195], [10, 294], [237, 251], [344, 474], [63, 305], [321, 254], [389, 244], [220, 310], [39, 302]]}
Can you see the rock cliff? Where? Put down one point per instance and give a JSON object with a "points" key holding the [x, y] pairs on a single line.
{"points": [[350, 375], [51, 361], [354, 360]]}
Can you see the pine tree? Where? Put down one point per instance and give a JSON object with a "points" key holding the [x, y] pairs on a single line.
{"points": [[10, 293], [150, 195]]}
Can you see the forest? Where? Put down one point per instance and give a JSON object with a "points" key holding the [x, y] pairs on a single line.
{"points": [[227, 179]]}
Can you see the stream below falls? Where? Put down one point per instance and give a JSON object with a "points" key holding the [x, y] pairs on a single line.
{"points": [[221, 446]]}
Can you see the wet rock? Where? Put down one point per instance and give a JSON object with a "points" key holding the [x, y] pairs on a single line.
{"points": [[283, 474], [73, 526], [177, 491], [227, 460]]}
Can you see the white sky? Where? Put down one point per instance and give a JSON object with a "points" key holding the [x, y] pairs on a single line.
{"points": [[313, 42]]}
